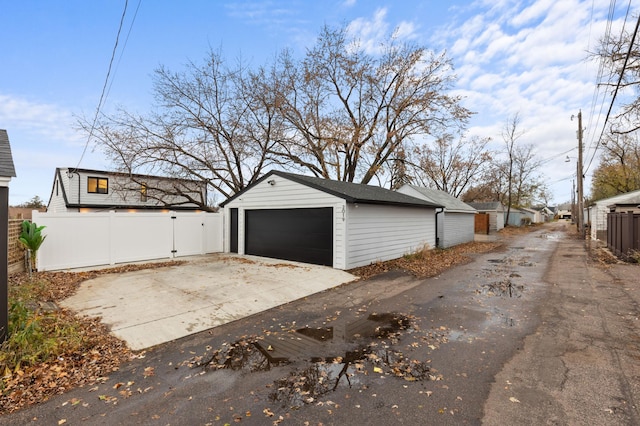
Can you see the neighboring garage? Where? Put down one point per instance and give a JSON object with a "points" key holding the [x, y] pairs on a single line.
{"points": [[314, 220], [455, 223]]}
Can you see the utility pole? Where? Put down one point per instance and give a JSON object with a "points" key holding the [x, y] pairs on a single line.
{"points": [[580, 177], [574, 211]]}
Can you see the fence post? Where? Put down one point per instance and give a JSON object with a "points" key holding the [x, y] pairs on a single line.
{"points": [[630, 233]]}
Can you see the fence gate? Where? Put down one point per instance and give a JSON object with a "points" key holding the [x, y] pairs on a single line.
{"points": [[90, 239], [482, 223]]}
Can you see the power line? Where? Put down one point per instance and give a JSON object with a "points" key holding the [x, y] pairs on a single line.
{"points": [[104, 86], [600, 76], [124, 46], [546, 160], [615, 93]]}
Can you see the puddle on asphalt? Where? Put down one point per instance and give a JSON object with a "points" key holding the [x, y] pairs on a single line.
{"points": [[552, 236], [334, 356], [503, 288]]}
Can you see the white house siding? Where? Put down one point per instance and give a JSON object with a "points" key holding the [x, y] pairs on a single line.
{"points": [[596, 216], [379, 233], [597, 213], [57, 204], [76, 191], [496, 220], [458, 228], [286, 194]]}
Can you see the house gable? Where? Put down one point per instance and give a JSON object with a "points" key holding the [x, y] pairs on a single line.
{"points": [[94, 190]]}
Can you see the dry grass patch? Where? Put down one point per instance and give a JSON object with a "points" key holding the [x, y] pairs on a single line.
{"points": [[51, 350], [428, 263]]}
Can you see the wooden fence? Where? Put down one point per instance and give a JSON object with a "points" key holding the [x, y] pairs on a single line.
{"points": [[481, 223], [16, 250], [623, 233]]}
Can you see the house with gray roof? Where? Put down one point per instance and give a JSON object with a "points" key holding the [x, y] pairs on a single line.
{"points": [[86, 190], [315, 220], [454, 222], [596, 214], [496, 212]]}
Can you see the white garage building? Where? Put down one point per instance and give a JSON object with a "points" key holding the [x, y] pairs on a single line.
{"points": [[326, 222], [455, 224]]}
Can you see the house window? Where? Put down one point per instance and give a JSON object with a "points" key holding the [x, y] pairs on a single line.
{"points": [[143, 192], [96, 185]]}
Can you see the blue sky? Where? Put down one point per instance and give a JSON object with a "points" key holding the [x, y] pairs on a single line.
{"points": [[525, 57]]}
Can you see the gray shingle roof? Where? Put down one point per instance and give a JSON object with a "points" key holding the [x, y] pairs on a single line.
{"points": [[450, 202], [490, 206], [631, 197], [351, 192], [7, 168]]}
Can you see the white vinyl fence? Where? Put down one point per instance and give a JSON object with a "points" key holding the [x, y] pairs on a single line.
{"points": [[75, 240]]}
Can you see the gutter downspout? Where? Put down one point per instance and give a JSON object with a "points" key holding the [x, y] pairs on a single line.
{"points": [[438, 238]]}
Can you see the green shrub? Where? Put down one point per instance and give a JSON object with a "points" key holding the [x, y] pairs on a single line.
{"points": [[34, 336], [31, 238]]}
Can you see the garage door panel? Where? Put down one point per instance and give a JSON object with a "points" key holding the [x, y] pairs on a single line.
{"points": [[303, 235]]}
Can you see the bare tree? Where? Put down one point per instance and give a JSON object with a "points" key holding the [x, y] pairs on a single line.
{"points": [[348, 112], [527, 185], [339, 112], [452, 165], [492, 184], [510, 135], [619, 55], [212, 123]]}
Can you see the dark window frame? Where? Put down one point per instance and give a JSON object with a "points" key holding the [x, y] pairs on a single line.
{"points": [[98, 189]]}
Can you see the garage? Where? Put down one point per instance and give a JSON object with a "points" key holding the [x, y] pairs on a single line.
{"points": [[303, 235], [325, 222]]}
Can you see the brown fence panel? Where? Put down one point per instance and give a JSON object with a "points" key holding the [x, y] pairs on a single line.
{"points": [[16, 250], [623, 233], [482, 223]]}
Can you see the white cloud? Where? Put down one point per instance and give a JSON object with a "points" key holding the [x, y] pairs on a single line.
{"points": [[371, 33], [532, 61], [46, 120]]}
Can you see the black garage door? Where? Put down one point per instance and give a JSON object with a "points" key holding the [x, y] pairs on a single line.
{"points": [[303, 235]]}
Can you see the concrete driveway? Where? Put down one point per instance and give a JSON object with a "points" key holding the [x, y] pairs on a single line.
{"points": [[153, 306]]}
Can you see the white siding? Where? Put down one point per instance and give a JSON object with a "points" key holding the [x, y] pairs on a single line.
{"points": [[378, 233], [75, 185], [598, 218], [597, 213], [496, 220], [56, 203], [458, 228], [285, 194]]}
